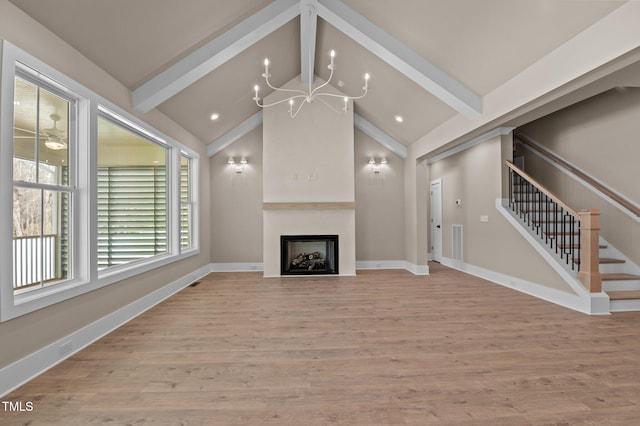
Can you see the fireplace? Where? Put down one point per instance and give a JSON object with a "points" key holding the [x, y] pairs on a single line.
{"points": [[308, 254]]}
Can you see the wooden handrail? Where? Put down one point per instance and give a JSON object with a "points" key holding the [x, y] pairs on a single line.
{"points": [[542, 189], [589, 220], [597, 185]]}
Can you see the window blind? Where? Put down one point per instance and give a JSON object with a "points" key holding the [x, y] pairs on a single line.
{"points": [[132, 214]]}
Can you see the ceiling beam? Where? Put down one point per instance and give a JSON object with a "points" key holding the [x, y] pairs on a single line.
{"points": [[213, 54], [234, 134], [500, 131], [308, 28], [401, 57], [379, 136]]}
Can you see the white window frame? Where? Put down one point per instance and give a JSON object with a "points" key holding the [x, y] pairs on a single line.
{"points": [[84, 260], [193, 203]]}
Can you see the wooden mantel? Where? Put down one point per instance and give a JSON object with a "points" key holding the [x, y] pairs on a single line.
{"points": [[332, 205]]}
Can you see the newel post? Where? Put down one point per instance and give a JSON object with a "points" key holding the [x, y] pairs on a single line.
{"points": [[589, 250]]}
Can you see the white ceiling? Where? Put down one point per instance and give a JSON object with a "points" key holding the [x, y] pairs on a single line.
{"points": [[478, 44]]}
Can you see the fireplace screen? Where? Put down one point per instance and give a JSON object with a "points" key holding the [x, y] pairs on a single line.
{"points": [[308, 254]]}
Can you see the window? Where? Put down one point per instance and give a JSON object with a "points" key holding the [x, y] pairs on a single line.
{"points": [[42, 194], [89, 195], [132, 195]]}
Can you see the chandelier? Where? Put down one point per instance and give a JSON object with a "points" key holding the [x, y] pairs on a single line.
{"points": [[298, 98]]}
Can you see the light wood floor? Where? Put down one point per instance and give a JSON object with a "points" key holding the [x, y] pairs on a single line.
{"points": [[385, 347]]}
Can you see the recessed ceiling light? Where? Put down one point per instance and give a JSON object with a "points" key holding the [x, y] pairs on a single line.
{"points": [[215, 116], [399, 118]]}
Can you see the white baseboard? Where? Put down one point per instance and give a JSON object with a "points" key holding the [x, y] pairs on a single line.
{"points": [[417, 269], [393, 264], [362, 264], [593, 304], [20, 372], [237, 267], [381, 264]]}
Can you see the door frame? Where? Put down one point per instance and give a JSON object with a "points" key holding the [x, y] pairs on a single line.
{"points": [[436, 207]]}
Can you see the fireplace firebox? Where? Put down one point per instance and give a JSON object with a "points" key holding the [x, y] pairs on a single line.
{"points": [[308, 254]]}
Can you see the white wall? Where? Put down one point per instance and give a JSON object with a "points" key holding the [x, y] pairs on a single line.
{"points": [[474, 177], [600, 137]]}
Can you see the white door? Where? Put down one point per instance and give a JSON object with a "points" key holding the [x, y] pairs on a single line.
{"points": [[436, 219]]}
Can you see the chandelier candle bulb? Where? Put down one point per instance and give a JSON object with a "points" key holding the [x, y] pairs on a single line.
{"points": [[310, 95]]}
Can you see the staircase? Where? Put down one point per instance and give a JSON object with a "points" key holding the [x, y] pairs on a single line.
{"points": [[566, 232], [622, 287]]}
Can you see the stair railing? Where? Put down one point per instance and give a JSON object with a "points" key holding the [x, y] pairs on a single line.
{"points": [[601, 188], [572, 235]]}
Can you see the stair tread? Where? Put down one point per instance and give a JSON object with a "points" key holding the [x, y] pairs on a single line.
{"points": [[624, 295], [619, 277], [603, 260], [575, 246]]}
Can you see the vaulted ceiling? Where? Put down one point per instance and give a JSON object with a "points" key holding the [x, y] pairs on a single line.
{"points": [[428, 59]]}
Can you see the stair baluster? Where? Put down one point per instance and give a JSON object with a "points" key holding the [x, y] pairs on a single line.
{"points": [[574, 236]]}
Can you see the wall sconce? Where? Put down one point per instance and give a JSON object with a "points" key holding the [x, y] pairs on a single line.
{"points": [[377, 170], [376, 167], [238, 167]]}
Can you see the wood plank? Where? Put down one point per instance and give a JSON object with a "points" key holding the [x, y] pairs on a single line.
{"points": [[624, 295], [383, 347], [603, 261], [619, 277]]}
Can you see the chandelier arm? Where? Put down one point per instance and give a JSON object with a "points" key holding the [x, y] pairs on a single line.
{"points": [[313, 92], [343, 96], [281, 101], [302, 92]]}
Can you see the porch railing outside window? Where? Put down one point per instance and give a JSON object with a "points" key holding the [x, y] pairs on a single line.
{"points": [[28, 254]]}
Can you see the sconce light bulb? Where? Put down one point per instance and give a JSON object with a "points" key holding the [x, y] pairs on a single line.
{"points": [[372, 160], [243, 160], [383, 160], [231, 161], [366, 77], [266, 62], [332, 53]]}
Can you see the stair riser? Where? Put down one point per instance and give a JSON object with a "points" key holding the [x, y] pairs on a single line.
{"points": [[612, 268], [624, 305], [621, 285]]}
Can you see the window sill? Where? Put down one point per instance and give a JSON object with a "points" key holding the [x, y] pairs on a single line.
{"points": [[30, 301]]}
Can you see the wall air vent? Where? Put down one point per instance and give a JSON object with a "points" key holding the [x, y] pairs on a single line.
{"points": [[456, 246]]}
